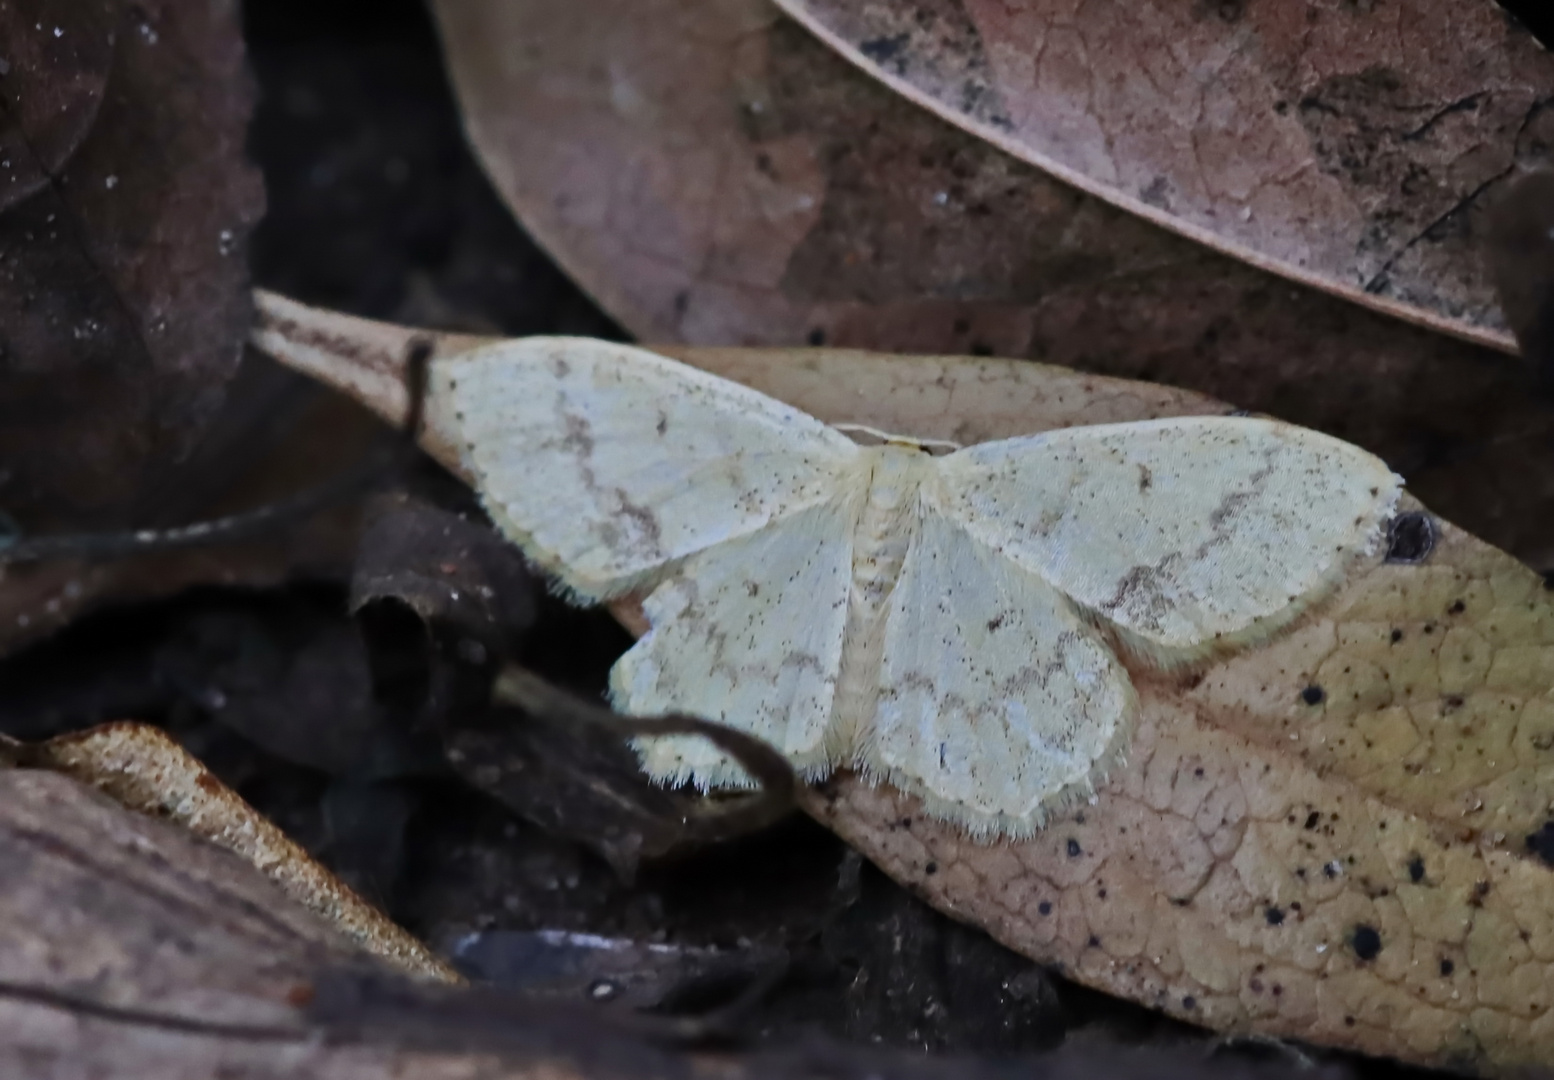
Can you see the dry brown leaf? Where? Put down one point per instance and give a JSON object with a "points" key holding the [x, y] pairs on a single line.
{"points": [[131, 949], [447, 569], [116, 909], [276, 451], [963, 398], [125, 203], [1520, 257], [143, 769], [1333, 838], [1353, 147], [1343, 836], [715, 176]]}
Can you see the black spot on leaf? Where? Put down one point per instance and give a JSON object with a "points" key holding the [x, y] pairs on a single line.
{"points": [[1541, 843], [884, 49], [1366, 942], [1411, 538]]}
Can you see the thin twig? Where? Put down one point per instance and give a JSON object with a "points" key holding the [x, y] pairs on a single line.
{"points": [[723, 1023], [233, 527], [82, 1006], [710, 820], [354, 481]]}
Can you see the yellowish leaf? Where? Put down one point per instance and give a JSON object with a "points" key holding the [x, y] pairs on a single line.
{"points": [[1335, 836]]}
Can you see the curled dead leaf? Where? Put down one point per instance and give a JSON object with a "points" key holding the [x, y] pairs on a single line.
{"points": [[443, 565], [143, 769], [1352, 147]]}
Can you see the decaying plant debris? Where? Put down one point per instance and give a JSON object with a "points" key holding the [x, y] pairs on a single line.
{"points": [[1332, 836], [760, 190], [1345, 145], [125, 177], [200, 967], [145, 771], [744, 184], [126, 202]]}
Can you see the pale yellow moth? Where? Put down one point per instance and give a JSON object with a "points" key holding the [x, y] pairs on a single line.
{"points": [[949, 623]]}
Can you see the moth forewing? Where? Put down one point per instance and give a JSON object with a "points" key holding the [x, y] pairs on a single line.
{"points": [[932, 621]]}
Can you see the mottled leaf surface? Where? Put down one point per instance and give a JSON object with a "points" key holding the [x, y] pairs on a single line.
{"points": [[1340, 835], [715, 176], [1354, 146]]}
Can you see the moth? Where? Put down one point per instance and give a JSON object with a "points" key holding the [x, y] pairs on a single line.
{"points": [[951, 624]]}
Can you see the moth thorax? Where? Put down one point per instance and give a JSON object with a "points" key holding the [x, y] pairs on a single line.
{"points": [[885, 526], [880, 541]]}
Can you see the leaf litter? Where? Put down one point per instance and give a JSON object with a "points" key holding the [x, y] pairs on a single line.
{"points": [[126, 201], [125, 206], [762, 191], [143, 769], [1263, 831], [502, 838], [1354, 147]]}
